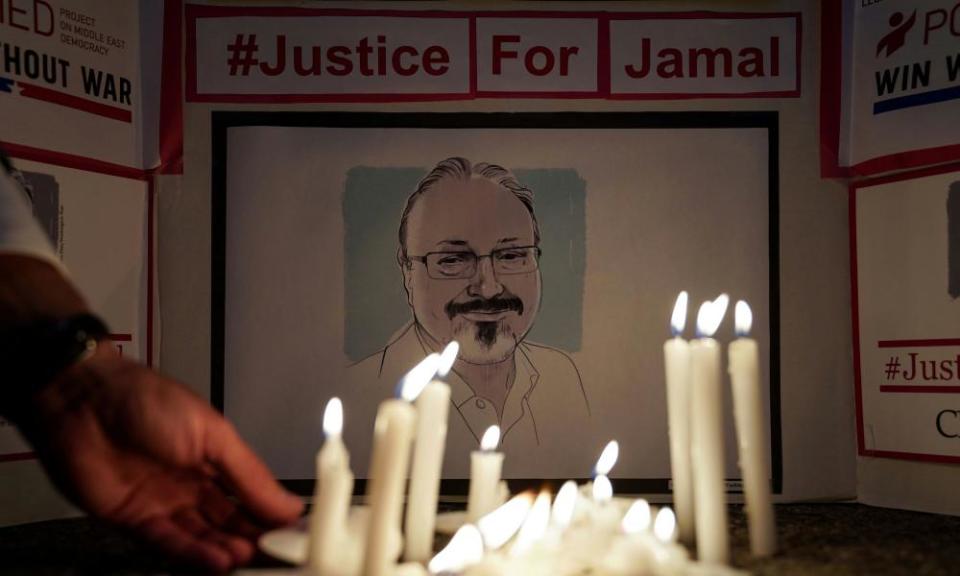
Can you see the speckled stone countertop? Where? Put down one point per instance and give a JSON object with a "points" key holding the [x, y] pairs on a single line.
{"points": [[816, 539]]}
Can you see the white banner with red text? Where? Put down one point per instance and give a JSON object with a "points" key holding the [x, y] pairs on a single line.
{"points": [[288, 54]]}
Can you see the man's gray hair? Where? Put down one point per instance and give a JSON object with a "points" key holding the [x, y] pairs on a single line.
{"points": [[458, 168]]}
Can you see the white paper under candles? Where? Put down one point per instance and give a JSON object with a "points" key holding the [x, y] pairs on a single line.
{"points": [[707, 437], [392, 437], [748, 415], [331, 496], [676, 356], [485, 467]]}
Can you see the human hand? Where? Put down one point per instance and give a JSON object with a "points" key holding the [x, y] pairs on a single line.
{"points": [[143, 452]]}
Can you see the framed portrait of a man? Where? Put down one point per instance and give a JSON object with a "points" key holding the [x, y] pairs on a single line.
{"points": [[550, 246]]}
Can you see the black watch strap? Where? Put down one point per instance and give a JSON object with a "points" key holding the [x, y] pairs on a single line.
{"points": [[34, 355]]}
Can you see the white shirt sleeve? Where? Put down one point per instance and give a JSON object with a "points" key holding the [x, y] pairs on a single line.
{"points": [[20, 233]]}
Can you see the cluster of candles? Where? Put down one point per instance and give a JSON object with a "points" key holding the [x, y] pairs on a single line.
{"points": [[582, 530], [695, 412]]}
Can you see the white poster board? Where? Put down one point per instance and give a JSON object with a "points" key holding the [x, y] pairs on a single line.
{"points": [[906, 246], [307, 287], [99, 225], [891, 84], [71, 79]]}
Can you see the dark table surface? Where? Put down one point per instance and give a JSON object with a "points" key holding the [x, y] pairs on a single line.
{"points": [[815, 539]]}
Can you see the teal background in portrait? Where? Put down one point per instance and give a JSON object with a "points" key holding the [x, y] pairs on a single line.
{"points": [[375, 301]]}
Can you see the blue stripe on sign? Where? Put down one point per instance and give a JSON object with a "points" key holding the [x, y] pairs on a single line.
{"points": [[913, 100], [6, 84]]}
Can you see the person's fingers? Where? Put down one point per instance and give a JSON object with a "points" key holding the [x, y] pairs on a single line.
{"points": [[240, 549], [255, 486], [224, 514], [173, 540], [214, 504]]}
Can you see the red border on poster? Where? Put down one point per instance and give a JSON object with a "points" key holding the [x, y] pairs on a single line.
{"points": [[831, 97], [195, 12], [855, 313]]}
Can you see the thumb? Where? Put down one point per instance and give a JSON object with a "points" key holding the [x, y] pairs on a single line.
{"points": [[249, 477]]}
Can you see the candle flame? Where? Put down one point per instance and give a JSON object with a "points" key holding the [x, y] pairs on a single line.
{"points": [[637, 518], [607, 458], [664, 527], [564, 504], [679, 319], [333, 418], [499, 526], [711, 315], [417, 379], [535, 526], [602, 489], [491, 439], [447, 358], [743, 318], [464, 549]]}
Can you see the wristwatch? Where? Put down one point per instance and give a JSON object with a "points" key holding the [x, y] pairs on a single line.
{"points": [[34, 355]]}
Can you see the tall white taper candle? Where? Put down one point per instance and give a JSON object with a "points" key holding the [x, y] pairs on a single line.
{"points": [[432, 409], [676, 356], [392, 437], [425, 472], [707, 437], [744, 366], [331, 495]]}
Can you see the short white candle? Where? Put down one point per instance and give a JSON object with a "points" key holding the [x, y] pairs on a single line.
{"points": [[637, 518], [499, 526], [744, 366], [463, 550], [432, 409], [676, 355], [564, 505], [707, 437], [669, 558], [485, 467], [608, 458], [534, 526], [331, 496], [392, 439]]}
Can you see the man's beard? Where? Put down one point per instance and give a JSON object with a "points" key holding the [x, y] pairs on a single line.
{"points": [[485, 342]]}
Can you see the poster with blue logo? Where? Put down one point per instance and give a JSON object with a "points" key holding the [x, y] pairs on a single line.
{"points": [[892, 85]]}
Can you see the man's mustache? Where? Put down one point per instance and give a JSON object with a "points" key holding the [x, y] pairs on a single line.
{"points": [[491, 305]]}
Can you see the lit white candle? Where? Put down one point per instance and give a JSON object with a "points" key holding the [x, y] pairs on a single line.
{"points": [[707, 436], [744, 366], [392, 439], [432, 408], [485, 467], [605, 516], [676, 355], [534, 526], [463, 550], [637, 518], [602, 488], [669, 559], [331, 495], [608, 458], [499, 526], [564, 505]]}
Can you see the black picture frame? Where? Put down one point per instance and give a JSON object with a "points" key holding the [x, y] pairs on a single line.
{"points": [[223, 121]]}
